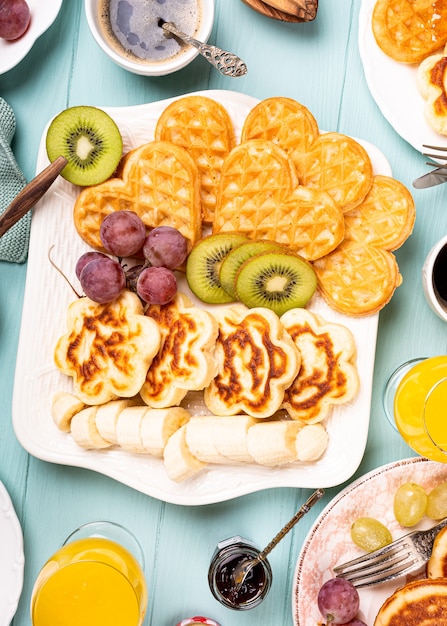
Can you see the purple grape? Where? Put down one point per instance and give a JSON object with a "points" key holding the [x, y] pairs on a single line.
{"points": [[165, 247], [86, 258], [338, 601], [15, 17], [103, 280], [157, 285], [122, 233]]}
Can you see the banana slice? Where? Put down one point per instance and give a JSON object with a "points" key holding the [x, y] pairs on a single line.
{"points": [[273, 443], [179, 463], [158, 425], [200, 439], [311, 442], [128, 429], [84, 432], [64, 406], [230, 437], [107, 416]]}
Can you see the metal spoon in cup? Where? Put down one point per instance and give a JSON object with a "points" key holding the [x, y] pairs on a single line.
{"points": [[227, 63], [243, 568]]}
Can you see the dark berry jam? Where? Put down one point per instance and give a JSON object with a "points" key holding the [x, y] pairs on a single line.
{"points": [[440, 274]]}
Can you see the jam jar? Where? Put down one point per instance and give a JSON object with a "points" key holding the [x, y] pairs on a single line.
{"points": [[228, 554]]}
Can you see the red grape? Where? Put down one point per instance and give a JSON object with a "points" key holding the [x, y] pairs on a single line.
{"points": [[122, 233], [338, 601], [165, 247], [157, 285], [86, 258], [15, 17], [102, 280]]}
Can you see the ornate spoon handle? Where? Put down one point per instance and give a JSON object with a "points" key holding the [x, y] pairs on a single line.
{"points": [[227, 63]]}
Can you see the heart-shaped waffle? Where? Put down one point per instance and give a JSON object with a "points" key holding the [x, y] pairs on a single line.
{"points": [[259, 197], [285, 122], [339, 165], [203, 127], [410, 30], [159, 182], [360, 276]]}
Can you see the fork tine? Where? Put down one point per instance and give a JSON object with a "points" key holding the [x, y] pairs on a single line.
{"points": [[388, 575], [434, 156], [376, 556], [439, 166], [365, 566], [441, 148]]}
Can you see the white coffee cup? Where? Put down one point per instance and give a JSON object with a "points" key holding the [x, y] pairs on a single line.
{"points": [[436, 302]]}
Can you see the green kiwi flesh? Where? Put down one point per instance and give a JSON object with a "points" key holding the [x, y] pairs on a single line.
{"points": [[203, 266], [277, 281], [91, 142], [238, 256]]}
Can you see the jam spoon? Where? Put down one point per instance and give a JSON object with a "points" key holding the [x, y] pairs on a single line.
{"points": [[227, 63], [243, 568]]}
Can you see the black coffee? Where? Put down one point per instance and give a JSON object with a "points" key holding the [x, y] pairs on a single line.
{"points": [[132, 27]]}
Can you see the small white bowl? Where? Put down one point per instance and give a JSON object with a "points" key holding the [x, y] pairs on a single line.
{"points": [[146, 68], [431, 294]]}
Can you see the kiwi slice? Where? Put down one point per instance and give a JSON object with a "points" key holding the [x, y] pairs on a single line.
{"points": [[203, 266], [238, 256], [277, 281], [90, 141]]}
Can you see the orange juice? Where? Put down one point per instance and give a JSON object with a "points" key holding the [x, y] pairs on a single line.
{"points": [[93, 582], [420, 408]]}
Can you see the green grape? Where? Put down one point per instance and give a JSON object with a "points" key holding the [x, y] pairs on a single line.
{"points": [[410, 503], [370, 534], [437, 502]]}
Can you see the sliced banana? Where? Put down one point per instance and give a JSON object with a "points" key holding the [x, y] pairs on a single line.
{"points": [[128, 429], [158, 425], [311, 442], [230, 437], [64, 406], [179, 462], [84, 431], [107, 416], [200, 438], [273, 443]]}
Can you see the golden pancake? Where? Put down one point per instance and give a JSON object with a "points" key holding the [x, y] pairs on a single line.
{"points": [[328, 373], [204, 128], [418, 603], [159, 182], [410, 30], [437, 563], [432, 83]]}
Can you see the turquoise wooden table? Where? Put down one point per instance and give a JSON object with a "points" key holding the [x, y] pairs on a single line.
{"points": [[318, 64]]}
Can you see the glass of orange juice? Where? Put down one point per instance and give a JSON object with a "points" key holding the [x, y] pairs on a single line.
{"points": [[420, 406], [95, 579]]}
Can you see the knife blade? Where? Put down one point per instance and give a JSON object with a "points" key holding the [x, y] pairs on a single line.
{"points": [[436, 177]]}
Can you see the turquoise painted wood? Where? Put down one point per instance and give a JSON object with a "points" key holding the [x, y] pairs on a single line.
{"points": [[318, 64]]}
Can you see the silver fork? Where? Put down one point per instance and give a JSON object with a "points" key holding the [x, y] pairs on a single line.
{"points": [[441, 156], [403, 556]]}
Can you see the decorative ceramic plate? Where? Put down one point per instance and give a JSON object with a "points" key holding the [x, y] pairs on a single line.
{"points": [[11, 560], [47, 297], [393, 87], [329, 543], [43, 14]]}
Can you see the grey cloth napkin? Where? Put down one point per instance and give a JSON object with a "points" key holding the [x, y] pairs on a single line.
{"points": [[14, 243]]}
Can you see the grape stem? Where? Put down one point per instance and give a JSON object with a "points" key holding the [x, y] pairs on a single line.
{"points": [[56, 267]]}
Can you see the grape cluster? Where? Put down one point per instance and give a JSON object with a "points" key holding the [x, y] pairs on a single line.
{"points": [[123, 234], [412, 503]]}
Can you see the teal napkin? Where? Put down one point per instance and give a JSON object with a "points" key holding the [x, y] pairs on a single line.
{"points": [[14, 243]]}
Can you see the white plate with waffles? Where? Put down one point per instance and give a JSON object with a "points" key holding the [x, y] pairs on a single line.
{"points": [[328, 542], [12, 558], [393, 87], [47, 297], [43, 15]]}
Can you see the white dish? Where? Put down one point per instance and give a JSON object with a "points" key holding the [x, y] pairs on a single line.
{"points": [[47, 296], [43, 15], [328, 542], [393, 87], [12, 559]]}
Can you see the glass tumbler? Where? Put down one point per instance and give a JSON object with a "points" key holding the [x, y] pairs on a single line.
{"points": [[95, 579]]}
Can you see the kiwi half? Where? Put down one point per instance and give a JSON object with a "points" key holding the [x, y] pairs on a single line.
{"points": [[203, 266], [277, 281], [91, 142], [236, 257]]}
